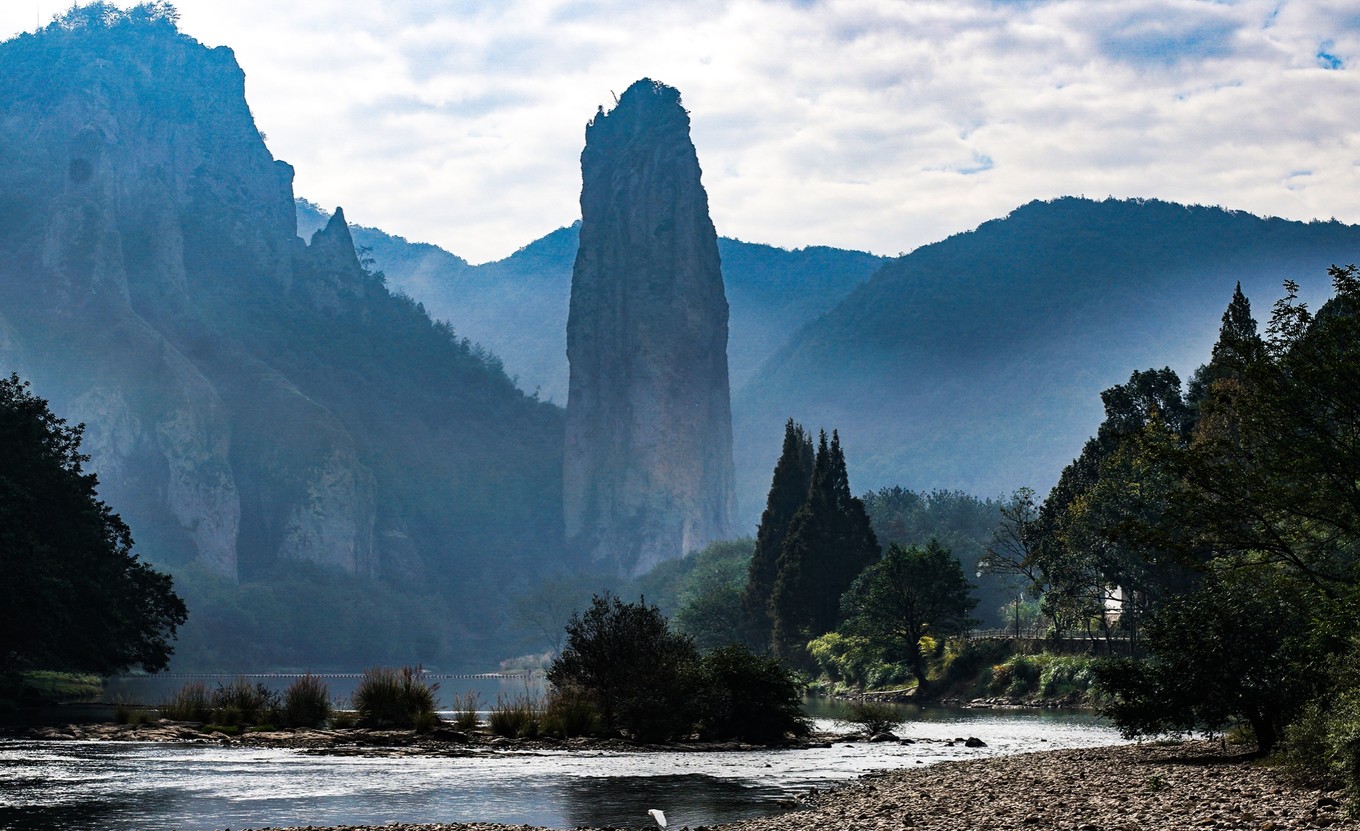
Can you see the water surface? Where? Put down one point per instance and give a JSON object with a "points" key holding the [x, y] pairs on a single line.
{"points": [[122, 786]]}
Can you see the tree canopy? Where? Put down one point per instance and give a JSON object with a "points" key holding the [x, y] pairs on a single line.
{"points": [[75, 596], [908, 594]]}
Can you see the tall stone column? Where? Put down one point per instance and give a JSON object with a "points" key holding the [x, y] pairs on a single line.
{"points": [[648, 470]]}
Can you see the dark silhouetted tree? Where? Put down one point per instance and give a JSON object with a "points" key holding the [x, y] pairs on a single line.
{"points": [[74, 595], [829, 542], [788, 492]]}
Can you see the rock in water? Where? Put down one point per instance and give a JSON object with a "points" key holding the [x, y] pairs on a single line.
{"points": [[648, 460]]}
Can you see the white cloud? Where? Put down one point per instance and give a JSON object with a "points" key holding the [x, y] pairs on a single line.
{"points": [[873, 124]]}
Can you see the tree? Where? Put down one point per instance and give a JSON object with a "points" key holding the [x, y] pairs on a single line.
{"points": [[910, 593], [788, 492], [640, 676], [1239, 647], [750, 697], [75, 596], [829, 542]]}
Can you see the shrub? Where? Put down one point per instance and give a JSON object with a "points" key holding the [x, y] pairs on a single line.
{"points": [[465, 709], [516, 716], [1065, 675], [1322, 744], [874, 716], [394, 698], [240, 702], [642, 677], [569, 712], [1018, 676], [749, 697], [189, 703], [306, 703]]}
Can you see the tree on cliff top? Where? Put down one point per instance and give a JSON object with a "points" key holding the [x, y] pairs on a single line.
{"points": [[74, 596]]}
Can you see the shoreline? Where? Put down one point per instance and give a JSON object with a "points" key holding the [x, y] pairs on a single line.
{"points": [[1137, 787]]}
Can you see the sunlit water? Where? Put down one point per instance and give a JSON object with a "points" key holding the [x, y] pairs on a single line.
{"points": [[84, 786]]}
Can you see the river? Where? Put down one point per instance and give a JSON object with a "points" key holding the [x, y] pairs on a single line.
{"points": [[127, 786]]}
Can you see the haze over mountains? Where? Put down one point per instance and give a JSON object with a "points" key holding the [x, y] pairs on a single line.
{"points": [[974, 363], [335, 479]]}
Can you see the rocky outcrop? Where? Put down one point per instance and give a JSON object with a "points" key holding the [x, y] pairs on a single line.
{"points": [[255, 406], [648, 460]]}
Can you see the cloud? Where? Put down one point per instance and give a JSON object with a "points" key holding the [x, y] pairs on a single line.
{"points": [[872, 124]]}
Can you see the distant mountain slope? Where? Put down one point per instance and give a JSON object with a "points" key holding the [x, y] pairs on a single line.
{"points": [[333, 478], [517, 307], [976, 362]]}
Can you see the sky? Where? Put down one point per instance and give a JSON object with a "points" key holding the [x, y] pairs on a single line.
{"points": [[878, 125]]}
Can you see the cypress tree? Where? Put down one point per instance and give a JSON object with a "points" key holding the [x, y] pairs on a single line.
{"points": [[829, 542], [788, 492], [1239, 348]]}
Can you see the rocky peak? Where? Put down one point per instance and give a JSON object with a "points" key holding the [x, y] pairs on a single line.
{"points": [[332, 247], [648, 458]]}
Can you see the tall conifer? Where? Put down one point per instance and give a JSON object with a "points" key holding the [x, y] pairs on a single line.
{"points": [[829, 542], [788, 492]]}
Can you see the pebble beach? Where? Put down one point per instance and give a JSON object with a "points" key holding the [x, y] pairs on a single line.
{"points": [[1190, 785]]}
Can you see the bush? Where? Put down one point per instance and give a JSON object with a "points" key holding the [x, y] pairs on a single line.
{"points": [[1322, 744], [640, 676], [569, 713], [1018, 676], [874, 716], [1064, 676], [189, 703], [240, 702], [516, 716], [465, 709], [749, 697], [394, 698], [306, 703]]}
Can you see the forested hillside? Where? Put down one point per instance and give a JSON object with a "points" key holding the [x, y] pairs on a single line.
{"points": [[517, 307], [333, 478], [975, 363]]}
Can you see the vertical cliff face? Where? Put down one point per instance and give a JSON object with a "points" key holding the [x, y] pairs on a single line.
{"points": [[139, 205], [648, 457]]}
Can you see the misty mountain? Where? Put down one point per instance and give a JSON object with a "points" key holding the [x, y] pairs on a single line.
{"points": [[976, 362], [517, 307], [333, 478]]}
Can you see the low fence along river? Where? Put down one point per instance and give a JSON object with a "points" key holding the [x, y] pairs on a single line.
{"points": [[121, 786]]}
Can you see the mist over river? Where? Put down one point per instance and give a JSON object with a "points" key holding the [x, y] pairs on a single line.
{"points": [[122, 786]]}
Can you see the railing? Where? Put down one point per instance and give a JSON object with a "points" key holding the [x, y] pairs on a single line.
{"points": [[490, 676]]}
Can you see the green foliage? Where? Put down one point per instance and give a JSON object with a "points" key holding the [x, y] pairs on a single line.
{"points": [[960, 522], [874, 716], [75, 596], [640, 676], [332, 619], [788, 491], [624, 671], [306, 703], [1322, 745], [465, 710], [394, 698], [828, 544], [851, 660], [749, 697], [1239, 647], [569, 713], [910, 593], [238, 702], [515, 716], [189, 703]]}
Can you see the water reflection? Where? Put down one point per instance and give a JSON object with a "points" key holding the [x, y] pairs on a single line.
{"points": [[689, 800], [121, 786]]}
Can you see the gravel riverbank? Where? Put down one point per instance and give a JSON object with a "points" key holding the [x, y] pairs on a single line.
{"points": [[1194, 785]]}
